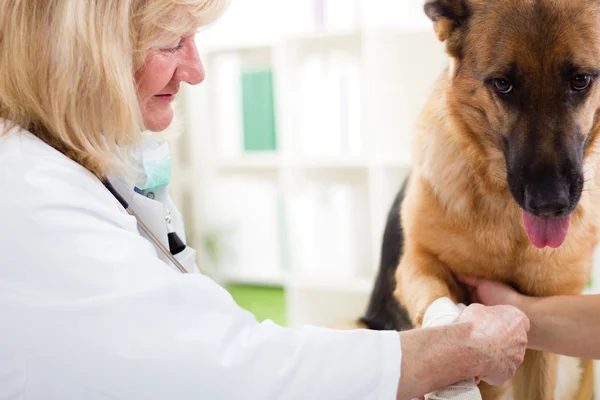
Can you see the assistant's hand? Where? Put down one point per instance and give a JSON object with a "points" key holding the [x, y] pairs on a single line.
{"points": [[499, 337], [491, 293]]}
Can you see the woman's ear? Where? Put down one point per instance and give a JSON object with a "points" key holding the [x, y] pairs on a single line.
{"points": [[447, 16]]}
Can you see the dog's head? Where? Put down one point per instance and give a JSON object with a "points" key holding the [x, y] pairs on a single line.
{"points": [[523, 91]]}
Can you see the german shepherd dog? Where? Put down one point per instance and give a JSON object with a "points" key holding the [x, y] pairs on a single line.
{"points": [[503, 183]]}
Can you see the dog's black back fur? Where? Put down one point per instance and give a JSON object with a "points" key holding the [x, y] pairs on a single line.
{"points": [[384, 312]]}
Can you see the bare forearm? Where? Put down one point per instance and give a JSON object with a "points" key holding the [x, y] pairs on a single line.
{"points": [[568, 325], [435, 358]]}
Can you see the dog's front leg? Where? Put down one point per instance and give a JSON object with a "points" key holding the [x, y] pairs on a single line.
{"points": [[489, 392], [421, 278], [536, 377]]}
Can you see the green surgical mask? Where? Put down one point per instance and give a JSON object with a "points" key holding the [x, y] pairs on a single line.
{"points": [[155, 164]]}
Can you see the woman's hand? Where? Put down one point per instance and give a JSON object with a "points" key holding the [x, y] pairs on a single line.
{"points": [[491, 293], [486, 342], [499, 336]]}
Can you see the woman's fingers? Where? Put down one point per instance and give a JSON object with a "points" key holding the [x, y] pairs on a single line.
{"points": [[469, 280], [490, 293]]}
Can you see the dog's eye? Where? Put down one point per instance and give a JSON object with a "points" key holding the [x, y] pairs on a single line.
{"points": [[581, 82], [502, 85]]}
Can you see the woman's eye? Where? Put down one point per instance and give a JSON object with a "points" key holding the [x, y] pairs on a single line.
{"points": [[503, 85], [175, 46], [581, 82]]}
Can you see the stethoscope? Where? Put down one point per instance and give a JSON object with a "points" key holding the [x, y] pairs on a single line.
{"points": [[175, 243]]}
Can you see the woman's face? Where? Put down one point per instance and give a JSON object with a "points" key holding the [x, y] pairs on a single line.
{"points": [[160, 77]]}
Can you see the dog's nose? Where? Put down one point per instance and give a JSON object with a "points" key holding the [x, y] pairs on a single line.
{"points": [[547, 203]]}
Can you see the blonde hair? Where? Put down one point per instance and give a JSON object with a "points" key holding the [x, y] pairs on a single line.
{"points": [[67, 69]]}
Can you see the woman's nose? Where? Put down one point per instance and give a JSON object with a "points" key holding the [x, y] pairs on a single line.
{"points": [[191, 69]]}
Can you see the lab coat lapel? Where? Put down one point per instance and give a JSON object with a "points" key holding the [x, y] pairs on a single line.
{"points": [[150, 212]]}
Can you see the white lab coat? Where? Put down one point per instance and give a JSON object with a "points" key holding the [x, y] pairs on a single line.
{"points": [[90, 311]]}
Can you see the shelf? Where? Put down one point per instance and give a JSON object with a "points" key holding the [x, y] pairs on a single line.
{"points": [[325, 35], [393, 162], [329, 162], [347, 285], [249, 161], [274, 161], [401, 29], [235, 46], [266, 162], [319, 36], [344, 285], [269, 279]]}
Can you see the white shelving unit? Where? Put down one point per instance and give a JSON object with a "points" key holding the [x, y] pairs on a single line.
{"points": [[330, 182]]}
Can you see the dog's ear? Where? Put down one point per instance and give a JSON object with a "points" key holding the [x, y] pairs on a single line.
{"points": [[447, 16]]}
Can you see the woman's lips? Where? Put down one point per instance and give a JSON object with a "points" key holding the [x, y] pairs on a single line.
{"points": [[165, 97]]}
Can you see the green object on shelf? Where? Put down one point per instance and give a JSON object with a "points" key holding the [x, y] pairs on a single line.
{"points": [[258, 109], [264, 302]]}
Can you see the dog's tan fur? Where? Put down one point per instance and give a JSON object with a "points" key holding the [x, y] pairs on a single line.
{"points": [[458, 215]]}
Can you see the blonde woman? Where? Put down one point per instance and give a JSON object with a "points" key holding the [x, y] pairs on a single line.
{"points": [[92, 305]]}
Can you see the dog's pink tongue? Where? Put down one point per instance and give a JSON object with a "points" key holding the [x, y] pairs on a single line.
{"points": [[546, 231]]}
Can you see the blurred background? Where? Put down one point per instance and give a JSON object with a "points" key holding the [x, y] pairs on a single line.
{"points": [[290, 153], [294, 146]]}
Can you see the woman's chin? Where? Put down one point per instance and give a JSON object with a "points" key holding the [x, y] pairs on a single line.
{"points": [[157, 121]]}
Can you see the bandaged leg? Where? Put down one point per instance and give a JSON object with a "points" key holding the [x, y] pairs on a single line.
{"points": [[444, 311]]}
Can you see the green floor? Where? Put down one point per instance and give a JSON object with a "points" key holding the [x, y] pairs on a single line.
{"points": [[263, 301]]}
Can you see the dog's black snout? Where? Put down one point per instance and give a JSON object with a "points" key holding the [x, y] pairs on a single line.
{"points": [[547, 203]]}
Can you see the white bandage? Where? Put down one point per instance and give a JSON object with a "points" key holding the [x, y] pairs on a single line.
{"points": [[444, 311]]}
